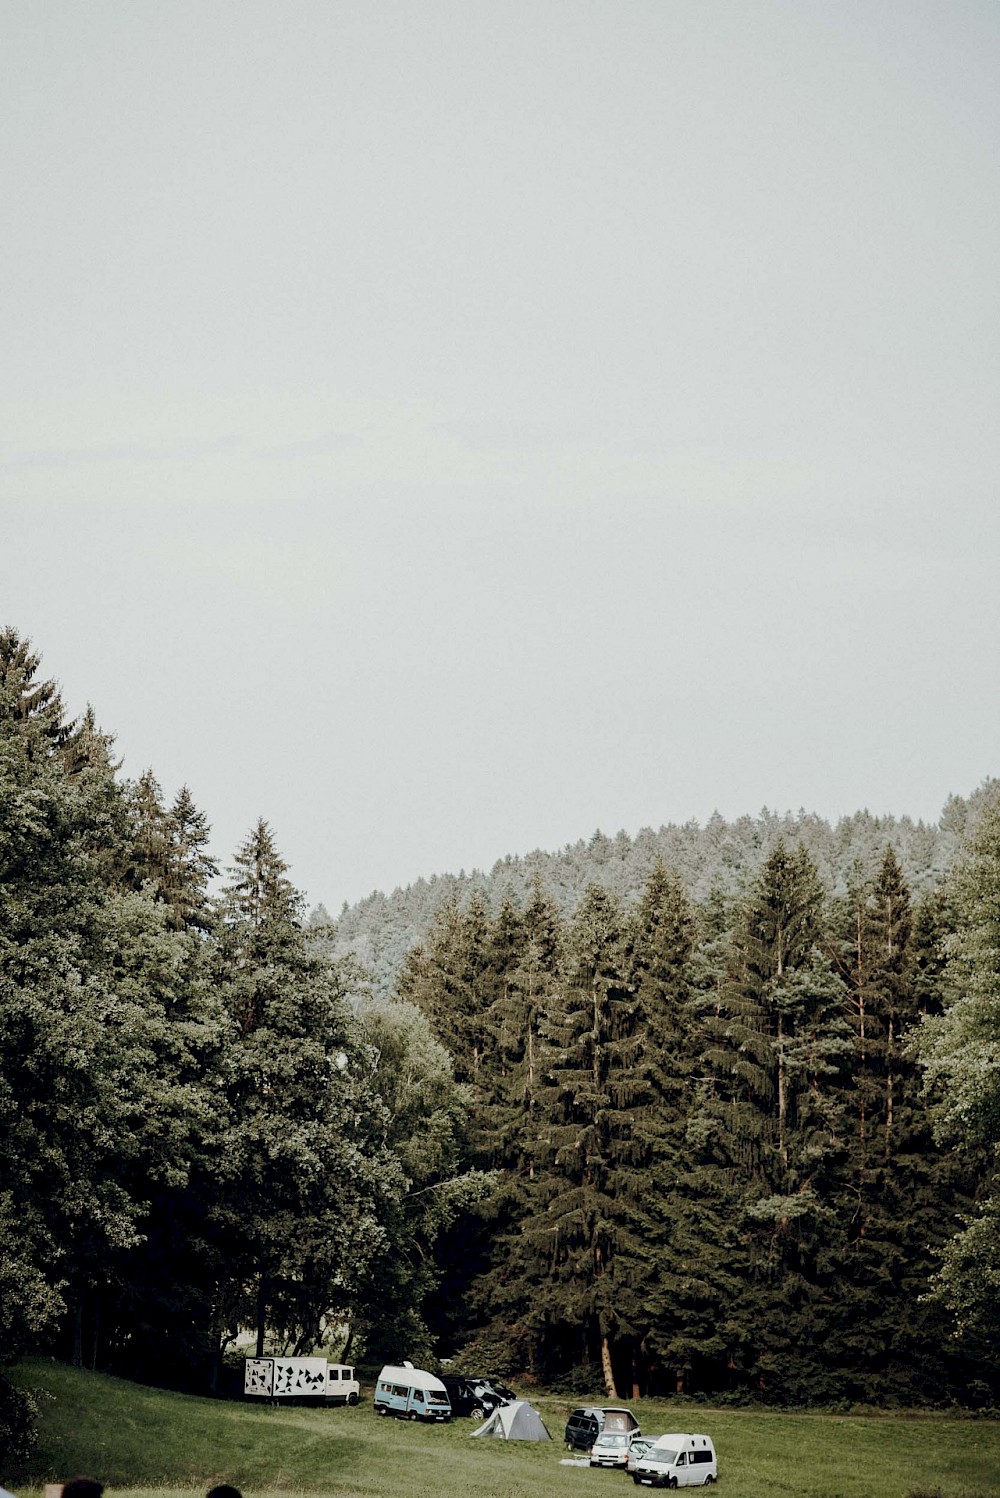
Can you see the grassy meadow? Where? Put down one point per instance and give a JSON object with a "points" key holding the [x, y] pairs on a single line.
{"points": [[145, 1443]]}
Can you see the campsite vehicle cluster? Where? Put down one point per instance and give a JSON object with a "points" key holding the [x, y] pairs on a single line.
{"points": [[608, 1434], [612, 1438], [412, 1394]]}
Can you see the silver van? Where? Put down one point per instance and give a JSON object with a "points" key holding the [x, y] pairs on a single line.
{"points": [[677, 1460]]}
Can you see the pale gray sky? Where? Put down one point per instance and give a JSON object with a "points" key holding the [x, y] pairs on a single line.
{"points": [[444, 428]]}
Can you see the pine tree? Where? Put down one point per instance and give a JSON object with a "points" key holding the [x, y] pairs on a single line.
{"points": [[486, 1254], [451, 979], [526, 953], [960, 1052], [297, 1220], [667, 1065], [578, 1237], [779, 1045], [101, 1103], [890, 1335]]}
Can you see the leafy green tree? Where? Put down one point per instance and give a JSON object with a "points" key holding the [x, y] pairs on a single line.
{"points": [[425, 1110], [960, 1052]]}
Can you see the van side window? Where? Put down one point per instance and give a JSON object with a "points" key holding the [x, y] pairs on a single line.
{"points": [[700, 1456], [418, 1395], [682, 1459]]}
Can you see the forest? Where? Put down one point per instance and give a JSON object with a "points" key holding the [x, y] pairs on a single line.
{"points": [[724, 1128]]}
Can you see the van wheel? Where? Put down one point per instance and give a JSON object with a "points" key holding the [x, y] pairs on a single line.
{"points": [[382, 1410], [352, 1399], [709, 1479], [478, 1413], [413, 1414]]}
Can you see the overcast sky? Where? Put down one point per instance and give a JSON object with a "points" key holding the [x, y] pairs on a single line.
{"points": [[445, 428]]}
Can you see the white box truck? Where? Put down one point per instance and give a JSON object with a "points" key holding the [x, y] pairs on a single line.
{"points": [[312, 1379]]}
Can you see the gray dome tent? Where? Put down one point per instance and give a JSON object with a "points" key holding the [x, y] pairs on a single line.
{"points": [[517, 1421]]}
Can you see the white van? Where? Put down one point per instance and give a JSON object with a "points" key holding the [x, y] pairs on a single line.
{"points": [[411, 1394], [611, 1448], [677, 1461]]}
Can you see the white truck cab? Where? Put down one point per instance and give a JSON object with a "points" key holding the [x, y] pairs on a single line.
{"points": [[677, 1460]]}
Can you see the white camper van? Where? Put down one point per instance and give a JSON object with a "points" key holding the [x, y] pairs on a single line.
{"points": [[677, 1461], [411, 1394]]}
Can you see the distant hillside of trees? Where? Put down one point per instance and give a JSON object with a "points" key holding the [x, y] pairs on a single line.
{"points": [[719, 859]]}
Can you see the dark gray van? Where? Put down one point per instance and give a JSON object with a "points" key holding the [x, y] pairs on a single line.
{"points": [[586, 1424]]}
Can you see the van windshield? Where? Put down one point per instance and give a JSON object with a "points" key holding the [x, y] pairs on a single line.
{"points": [[662, 1454]]}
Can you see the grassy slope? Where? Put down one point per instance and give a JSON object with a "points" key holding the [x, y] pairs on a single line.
{"points": [[144, 1441]]}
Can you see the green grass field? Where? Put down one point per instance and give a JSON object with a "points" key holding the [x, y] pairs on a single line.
{"points": [[145, 1443]]}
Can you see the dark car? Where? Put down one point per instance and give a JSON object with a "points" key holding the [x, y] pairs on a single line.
{"points": [[475, 1396], [582, 1429], [585, 1424]]}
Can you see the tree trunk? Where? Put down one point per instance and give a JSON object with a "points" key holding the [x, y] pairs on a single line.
{"points": [[261, 1313], [78, 1331], [782, 1097], [609, 1375], [95, 1333]]}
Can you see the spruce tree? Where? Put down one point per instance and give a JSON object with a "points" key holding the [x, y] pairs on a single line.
{"points": [[101, 1099], [450, 977], [578, 1235], [779, 1044], [960, 1053], [488, 1254], [300, 1185], [890, 1335], [671, 1194]]}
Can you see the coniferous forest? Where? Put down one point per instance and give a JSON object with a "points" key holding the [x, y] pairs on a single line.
{"points": [[725, 1127]]}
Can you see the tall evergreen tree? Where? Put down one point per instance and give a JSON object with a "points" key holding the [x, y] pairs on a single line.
{"points": [[779, 1044], [960, 1053], [671, 1194], [578, 1234], [890, 1336], [486, 1251], [99, 1097], [451, 978], [298, 1215]]}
